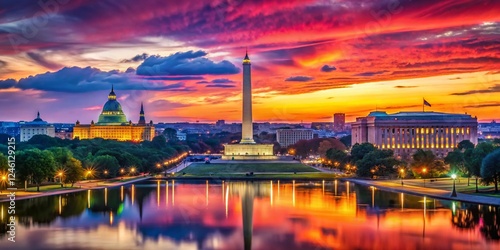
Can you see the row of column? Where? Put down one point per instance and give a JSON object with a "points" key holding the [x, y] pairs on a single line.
{"points": [[421, 137]]}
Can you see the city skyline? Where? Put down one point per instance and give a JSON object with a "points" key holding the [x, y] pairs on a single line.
{"points": [[310, 59]]}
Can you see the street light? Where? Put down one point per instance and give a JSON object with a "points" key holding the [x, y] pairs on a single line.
{"points": [[402, 171], [454, 192], [60, 174], [423, 175], [4, 178], [87, 174], [132, 170]]}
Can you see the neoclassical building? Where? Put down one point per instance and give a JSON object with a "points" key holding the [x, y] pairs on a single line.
{"points": [[405, 132], [36, 127], [113, 125]]}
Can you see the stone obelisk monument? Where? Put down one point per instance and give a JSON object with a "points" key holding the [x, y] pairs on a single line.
{"points": [[247, 149], [247, 123]]}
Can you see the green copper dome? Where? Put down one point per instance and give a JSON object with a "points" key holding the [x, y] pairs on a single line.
{"points": [[112, 113]]}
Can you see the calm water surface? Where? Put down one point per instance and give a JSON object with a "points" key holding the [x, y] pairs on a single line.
{"points": [[249, 215]]}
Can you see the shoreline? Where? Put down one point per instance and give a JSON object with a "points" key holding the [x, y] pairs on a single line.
{"points": [[379, 184], [4, 197], [425, 191]]}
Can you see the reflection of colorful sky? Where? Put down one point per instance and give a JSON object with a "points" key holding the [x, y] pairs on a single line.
{"points": [[310, 58], [189, 217]]}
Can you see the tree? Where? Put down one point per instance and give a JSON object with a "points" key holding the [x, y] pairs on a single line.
{"points": [[490, 168], [35, 165], [73, 171], [159, 142], [346, 140], [108, 163], [323, 147], [336, 155], [61, 156], [358, 151], [456, 160], [465, 144], [474, 158], [4, 163], [377, 162], [425, 159], [43, 141], [170, 134], [304, 148]]}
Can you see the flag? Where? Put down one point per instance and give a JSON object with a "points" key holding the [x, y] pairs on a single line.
{"points": [[426, 103]]}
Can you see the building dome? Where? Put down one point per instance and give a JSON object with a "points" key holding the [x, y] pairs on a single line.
{"points": [[38, 119], [112, 113]]}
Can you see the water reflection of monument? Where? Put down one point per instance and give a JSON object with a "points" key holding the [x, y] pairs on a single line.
{"points": [[248, 191]]}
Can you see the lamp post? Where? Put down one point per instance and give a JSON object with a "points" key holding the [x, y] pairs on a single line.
{"points": [[4, 179], [423, 175], [87, 175], [60, 174], [402, 171], [454, 191]]}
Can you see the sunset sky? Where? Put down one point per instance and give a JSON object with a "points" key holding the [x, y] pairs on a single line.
{"points": [[310, 59]]}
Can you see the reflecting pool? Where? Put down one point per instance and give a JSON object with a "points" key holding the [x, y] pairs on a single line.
{"points": [[249, 215]]}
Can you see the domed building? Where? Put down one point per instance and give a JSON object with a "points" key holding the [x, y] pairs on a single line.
{"points": [[36, 127], [112, 124]]}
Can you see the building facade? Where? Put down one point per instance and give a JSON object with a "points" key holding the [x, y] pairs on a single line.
{"points": [[338, 122], [36, 127], [405, 132], [287, 137], [113, 125]]}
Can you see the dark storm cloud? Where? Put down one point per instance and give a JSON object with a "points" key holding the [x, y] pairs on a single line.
{"points": [[39, 59], [492, 89], [220, 86], [217, 81], [327, 68], [299, 79], [405, 87], [87, 79], [185, 63], [172, 78], [469, 60], [483, 105], [137, 58], [7, 84], [371, 73]]}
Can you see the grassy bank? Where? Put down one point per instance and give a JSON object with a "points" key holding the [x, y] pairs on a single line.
{"points": [[242, 168], [261, 171], [272, 176]]}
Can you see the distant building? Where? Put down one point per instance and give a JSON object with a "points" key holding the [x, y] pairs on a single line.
{"points": [[181, 136], [10, 128], [64, 133], [405, 132], [322, 126], [220, 123], [113, 124], [287, 137], [338, 122], [489, 130], [36, 127], [323, 134]]}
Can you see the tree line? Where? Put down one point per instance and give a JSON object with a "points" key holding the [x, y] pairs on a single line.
{"points": [[481, 161], [44, 158]]}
